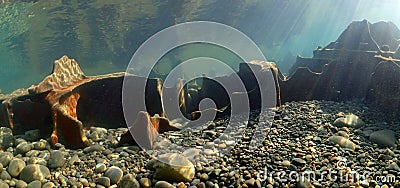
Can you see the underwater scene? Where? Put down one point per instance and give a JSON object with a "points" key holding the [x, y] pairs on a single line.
{"points": [[211, 93]]}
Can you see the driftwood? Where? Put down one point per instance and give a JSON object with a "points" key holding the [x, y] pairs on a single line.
{"points": [[67, 101]]}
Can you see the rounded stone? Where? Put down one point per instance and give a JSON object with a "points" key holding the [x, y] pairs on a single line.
{"points": [[3, 185], [23, 147], [34, 172], [298, 162], [15, 167], [129, 181], [57, 159], [84, 182], [35, 184], [145, 182], [115, 174], [177, 168], [32, 135], [343, 133], [7, 140], [5, 158], [104, 181], [384, 138], [20, 184], [92, 148], [48, 185], [41, 145], [100, 168], [350, 120], [163, 184], [4, 175], [342, 142], [285, 163]]}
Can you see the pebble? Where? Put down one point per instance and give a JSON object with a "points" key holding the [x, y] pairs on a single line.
{"points": [[350, 120], [104, 181], [48, 185], [394, 166], [298, 162], [15, 167], [145, 182], [34, 184], [74, 159], [41, 145], [3, 184], [115, 174], [23, 147], [5, 158], [101, 167], [163, 184], [129, 181], [4, 175], [92, 148], [20, 184], [177, 168], [57, 159], [84, 182], [342, 142], [34, 172], [384, 138], [343, 134], [7, 140]]}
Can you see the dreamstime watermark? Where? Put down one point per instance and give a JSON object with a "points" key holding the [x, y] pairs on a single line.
{"points": [[341, 173], [211, 33]]}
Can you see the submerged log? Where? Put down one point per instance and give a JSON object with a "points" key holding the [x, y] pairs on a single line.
{"points": [[66, 101]]}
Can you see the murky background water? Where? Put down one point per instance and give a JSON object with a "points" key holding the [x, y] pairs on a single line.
{"points": [[102, 35]]}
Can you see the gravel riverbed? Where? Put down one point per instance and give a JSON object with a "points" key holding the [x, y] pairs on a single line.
{"points": [[330, 144]]}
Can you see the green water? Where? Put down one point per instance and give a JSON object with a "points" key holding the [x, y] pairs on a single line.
{"points": [[102, 35]]}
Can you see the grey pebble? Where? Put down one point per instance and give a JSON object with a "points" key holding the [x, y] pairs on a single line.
{"points": [[48, 185], [15, 167], [20, 184], [34, 172], [114, 173], [7, 140], [5, 158], [57, 159], [3, 184], [92, 148], [35, 184], [163, 184], [145, 182], [100, 168], [129, 181], [104, 181], [23, 147], [5, 175]]}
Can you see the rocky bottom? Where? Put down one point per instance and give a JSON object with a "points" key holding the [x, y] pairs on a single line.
{"points": [[308, 144]]}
